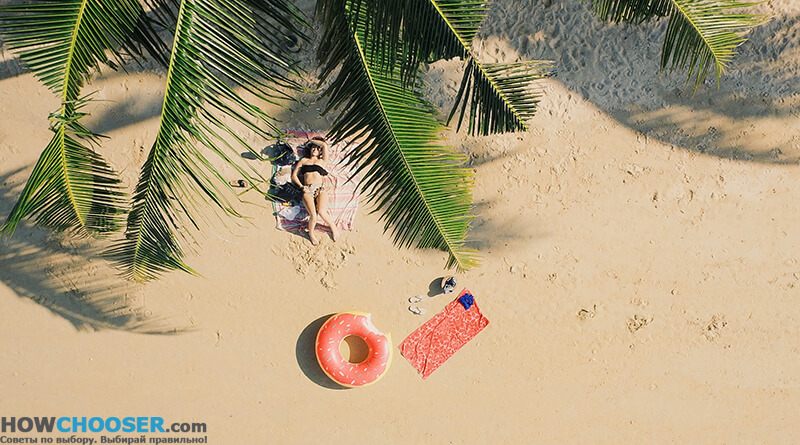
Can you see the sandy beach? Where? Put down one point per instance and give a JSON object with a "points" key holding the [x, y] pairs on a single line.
{"points": [[639, 249]]}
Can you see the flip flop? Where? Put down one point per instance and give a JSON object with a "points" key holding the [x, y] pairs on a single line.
{"points": [[415, 299], [416, 310]]}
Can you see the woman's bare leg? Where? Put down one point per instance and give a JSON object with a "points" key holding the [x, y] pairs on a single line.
{"points": [[322, 204], [308, 200]]}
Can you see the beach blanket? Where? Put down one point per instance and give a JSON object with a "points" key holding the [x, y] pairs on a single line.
{"points": [[341, 184], [439, 338]]}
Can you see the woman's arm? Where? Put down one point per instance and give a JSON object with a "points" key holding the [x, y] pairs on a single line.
{"points": [[325, 151], [295, 171]]}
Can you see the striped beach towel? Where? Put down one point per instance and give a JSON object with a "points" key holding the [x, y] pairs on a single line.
{"points": [[439, 338], [341, 184]]}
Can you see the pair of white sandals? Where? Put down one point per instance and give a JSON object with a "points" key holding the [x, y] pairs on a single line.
{"points": [[448, 284], [416, 309]]}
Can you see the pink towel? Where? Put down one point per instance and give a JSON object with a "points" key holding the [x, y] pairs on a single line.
{"points": [[341, 184], [440, 337]]}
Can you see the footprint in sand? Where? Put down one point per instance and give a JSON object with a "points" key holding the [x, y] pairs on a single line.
{"points": [[638, 322]]}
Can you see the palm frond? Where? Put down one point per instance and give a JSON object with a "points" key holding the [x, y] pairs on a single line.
{"points": [[71, 186], [497, 98], [218, 45], [419, 185], [63, 43], [701, 34], [501, 97], [439, 29], [163, 12], [631, 11], [427, 30]]}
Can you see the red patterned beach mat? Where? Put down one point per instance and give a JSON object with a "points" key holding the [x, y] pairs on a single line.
{"points": [[440, 337]]}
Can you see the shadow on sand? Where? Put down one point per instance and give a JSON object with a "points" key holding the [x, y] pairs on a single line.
{"points": [[60, 273], [616, 68], [488, 232], [307, 358]]}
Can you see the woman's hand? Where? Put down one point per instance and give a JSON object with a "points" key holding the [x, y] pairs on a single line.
{"points": [[295, 176]]}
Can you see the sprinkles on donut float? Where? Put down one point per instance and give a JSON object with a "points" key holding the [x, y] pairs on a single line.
{"points": [[341, 327]]}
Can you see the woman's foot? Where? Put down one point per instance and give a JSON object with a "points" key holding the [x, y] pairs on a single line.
{"points": [[334, 233], [313, 238]]}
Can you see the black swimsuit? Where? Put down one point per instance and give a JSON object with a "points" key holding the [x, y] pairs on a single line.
{"points": [[314, 188], [313, 168]]}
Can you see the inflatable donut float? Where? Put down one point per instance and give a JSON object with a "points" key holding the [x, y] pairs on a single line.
{"points": [[377, 357]]}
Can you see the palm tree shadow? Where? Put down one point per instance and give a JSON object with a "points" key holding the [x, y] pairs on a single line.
{"points": [[9, 65], [10, 68], [616, 68], [489, 233], [128, 111], [306, 357], [62, 275]]}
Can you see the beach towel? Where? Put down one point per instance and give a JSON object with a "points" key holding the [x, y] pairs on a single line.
{"points": [[439, 338], [341, 184]]}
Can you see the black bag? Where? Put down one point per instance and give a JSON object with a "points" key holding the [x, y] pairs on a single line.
{"points": [[288, 192], [284, 154]]}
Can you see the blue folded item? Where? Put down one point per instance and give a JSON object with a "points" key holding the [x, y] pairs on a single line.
{"points": [[466, 300]]}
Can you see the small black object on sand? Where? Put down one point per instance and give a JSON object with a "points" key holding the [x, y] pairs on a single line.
{"points": [[448, 284]]}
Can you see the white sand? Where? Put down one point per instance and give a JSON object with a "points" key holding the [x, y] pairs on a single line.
{"points": [[640, 273]]}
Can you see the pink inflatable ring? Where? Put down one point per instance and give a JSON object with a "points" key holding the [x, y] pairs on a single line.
{"points": [[365, 370]]}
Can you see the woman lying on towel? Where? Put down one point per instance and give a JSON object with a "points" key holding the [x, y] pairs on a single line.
{"points": [[308, 173]]}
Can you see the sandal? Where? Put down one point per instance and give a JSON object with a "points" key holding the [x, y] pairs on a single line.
{"points": [[416, 299], [416, 310]]}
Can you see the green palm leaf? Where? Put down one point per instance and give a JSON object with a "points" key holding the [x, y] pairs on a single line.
{"points": [[71, 186], [631, 11], [437, 29], [419, 186], [501, 96], [405, 33], [218, 45], [701, 34], [63, 42], [497, 98]]}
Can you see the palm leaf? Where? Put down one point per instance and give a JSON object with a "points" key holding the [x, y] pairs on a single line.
{"points": [[701, 34], [631, 11], [63, 43], [498, 97], [440, 29], [71, 186], [420, 187], [162, 13], [402, 34], [218, 45], [406, 33]]}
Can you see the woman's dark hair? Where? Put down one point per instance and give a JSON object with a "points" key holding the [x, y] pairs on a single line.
{"points": [[314, 143]]}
